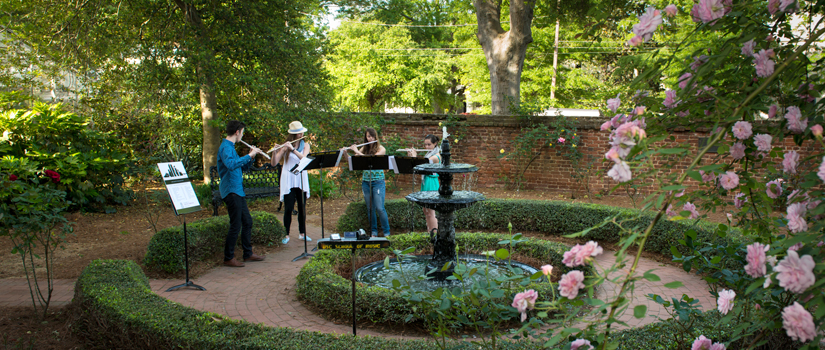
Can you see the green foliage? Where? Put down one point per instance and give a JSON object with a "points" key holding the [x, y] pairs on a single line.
{"points": [[555, 218], [91, 163], [320, 286], [330, 187], [206, 237], [31, 216]]}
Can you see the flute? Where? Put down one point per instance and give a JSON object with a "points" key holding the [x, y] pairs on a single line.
{"points": [[413, 149], [250, 146], [364, 144], [279, 146]]}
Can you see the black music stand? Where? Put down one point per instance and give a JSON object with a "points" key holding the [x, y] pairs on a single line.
{"points": [[321, 160], [298, 168], [370, 163], [406, 165], [353, 244]]}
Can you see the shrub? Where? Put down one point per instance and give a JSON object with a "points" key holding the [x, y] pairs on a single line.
{"points": [[206, 237], [553, 218], [320, 286]]}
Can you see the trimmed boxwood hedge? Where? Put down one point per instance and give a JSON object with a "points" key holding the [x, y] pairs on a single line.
{"points": [[206, 237], [554, 218], [116, 309], [320, 286]]}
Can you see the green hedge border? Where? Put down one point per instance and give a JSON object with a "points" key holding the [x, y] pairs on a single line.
{"points": [[206, 238], [554, 218], [318, 284], [116, 309]]}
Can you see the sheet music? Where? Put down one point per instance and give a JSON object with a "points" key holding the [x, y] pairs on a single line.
{"points": [[183, 195], [301, 165]]}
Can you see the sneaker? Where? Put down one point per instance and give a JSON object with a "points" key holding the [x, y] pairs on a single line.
{"points": [[304, 238], [285, 240]]}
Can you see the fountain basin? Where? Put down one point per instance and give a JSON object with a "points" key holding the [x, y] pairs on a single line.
{"points": [[436, 201], [454, 168], [377, 274]]}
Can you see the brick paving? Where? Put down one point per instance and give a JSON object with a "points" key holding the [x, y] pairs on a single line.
{"points": [[264, 292]]}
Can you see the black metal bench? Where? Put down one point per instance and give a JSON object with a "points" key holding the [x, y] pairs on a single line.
{"points": [[257, 183]]}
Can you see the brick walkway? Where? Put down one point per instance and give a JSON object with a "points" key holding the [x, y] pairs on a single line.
{"points": [[264, 292]]}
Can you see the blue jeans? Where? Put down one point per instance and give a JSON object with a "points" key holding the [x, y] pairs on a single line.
{"points": [[378, 189]]}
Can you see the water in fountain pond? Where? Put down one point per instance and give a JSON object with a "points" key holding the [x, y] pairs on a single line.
{"points": [[409, 270]]}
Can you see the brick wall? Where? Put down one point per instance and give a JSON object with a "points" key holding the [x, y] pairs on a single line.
{"points": [[484, 136]]}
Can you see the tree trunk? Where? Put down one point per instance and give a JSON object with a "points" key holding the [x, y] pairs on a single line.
{"points": [[504, 51], [208, 99]]}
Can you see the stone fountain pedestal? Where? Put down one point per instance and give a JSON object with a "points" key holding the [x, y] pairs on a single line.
{"points": [[445, 202]]}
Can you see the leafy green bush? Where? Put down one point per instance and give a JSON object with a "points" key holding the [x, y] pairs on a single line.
{"points": [[320, 286], [91, 163], [206, 237], [553, 218], [330, 187]]}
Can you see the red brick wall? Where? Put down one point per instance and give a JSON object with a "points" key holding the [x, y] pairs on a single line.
{"points": [[483, 137]]}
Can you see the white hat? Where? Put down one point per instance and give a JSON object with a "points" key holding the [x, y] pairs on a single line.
{"points": [[296, 128]]}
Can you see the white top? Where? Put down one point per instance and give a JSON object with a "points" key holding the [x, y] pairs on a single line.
{"points": [[290, 180]]}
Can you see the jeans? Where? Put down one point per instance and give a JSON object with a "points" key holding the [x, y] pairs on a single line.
{"points": [[295, 195], [378, 189], [239, 220]]}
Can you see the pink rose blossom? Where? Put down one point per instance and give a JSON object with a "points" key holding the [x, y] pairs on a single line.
{"points": [[684, 79], [670, 212], [795, 274], [580, 344], [763, 142], [798, 322], [747, 48], [795, 121], [525, 301], [796, 217], [756, 260], [772, 260], [670, 99], [767, 282], [635, 41], [796, 247], [742, 130], [821, 172], [639, 110], [737, 151], [606, 126], [774, 188], [547, 270], [613, 104], [764, 63], [692, 209], [729, 180], [670, 10], [570, 284], [739, 200], [725, 301], [561, 140], [817, 130], [707, 11], [648, 22], [791, 159], [718, 346], [579, 254], [707, 176], [701, 343], [620, 172], [772, 111], [613, 155]]}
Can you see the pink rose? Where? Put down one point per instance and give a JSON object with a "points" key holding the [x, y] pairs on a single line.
{"points": [[798, 322], [763, 62], [692, 209], [547, 270], [613, 155], [791, 159], [561, 139], [756, 259], [729, 180], [670, 10], [606, 126], [569, 257], [772, 111], [525, 301], [795, 121], [796, 247], [718, 346], [725, 301], [670, 99], [821, 172], [795, 274], [635, 41], [707, 11], [707, 176], [579, 254], [763, 142], [742, 130], [739, 200], [747, 48], [774, 188], [639, 110], [701, 343], [621, 172], [570, 284], [796, 217], [613, 104], [684, 79], [648, 22], [580, 344], [737, 151], [670, 212], [817, 131]]}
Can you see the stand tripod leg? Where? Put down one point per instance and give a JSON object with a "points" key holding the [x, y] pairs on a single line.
{"points": [[322, 208], [188, 283], [304, 254], [353, 292]]}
